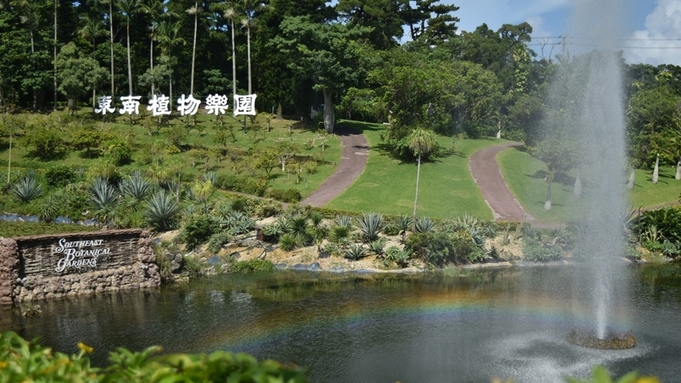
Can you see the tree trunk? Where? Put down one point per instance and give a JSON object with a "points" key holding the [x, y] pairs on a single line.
{"points": [[280, 111], [329, 112], [151, 59], [418, 177], [111, 35], [248, 49], [577, 190], [547, 204], [233, 62], [632, 178], [678, 170], [127, 28], [54, 51], [196, 20], [656, 171]]}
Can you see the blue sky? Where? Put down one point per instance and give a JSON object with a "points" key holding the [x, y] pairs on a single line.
{"points": [[651, 29]]}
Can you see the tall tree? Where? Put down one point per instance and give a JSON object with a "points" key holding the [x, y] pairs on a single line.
{"points": [[328, 54], [128, 8], [194, 10], [156, 9], [383, 16], [168, 36], [421, 142], [91, 29]]}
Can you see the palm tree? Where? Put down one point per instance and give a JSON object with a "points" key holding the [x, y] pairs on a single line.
{"points": [[54, 56], [90, 30], [230, 13], [168, 36], [31, 18], [111, 44], [155, 9], [194, 10], [128, 7], [421, 142]]}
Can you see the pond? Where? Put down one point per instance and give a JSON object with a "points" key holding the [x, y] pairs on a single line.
{"points": [[507, 323]]}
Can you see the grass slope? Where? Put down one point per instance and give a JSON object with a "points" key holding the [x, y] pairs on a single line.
{"points": [[524, 176], [143, 137], [388, 184]]}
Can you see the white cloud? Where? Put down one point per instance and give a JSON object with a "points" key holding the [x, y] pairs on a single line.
{"points": [[660, 42], [495, 13]]}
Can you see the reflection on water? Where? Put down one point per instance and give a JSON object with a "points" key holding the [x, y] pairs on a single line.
{"points": [[380, 328]]}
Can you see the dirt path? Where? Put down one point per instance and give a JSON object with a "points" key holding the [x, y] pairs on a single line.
{"points": [[354, 156], [485, 170]]}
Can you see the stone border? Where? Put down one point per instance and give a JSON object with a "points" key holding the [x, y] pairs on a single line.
{"points": [[137, 270]]}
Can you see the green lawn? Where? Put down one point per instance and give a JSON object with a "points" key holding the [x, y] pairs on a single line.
{"points": [[388, 184], [523, 174]]}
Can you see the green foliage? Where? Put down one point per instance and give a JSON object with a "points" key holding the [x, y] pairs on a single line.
{"points": [[252, 266], [197, 230], [399, 257], [104, 199], [288, 195], [441, 248], [241, 184], [289, 241], [119, 152], [27, 189], [161, 211], [339, 233], [29, 361], [377, 246], [20, 229], [60, 175], [601, 375], [536, 251], [370, 225], [217, 240], [423, 225], [660, 230], [355, 252]]}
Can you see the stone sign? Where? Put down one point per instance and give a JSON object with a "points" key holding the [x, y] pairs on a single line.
{"points": [[49, 266]]}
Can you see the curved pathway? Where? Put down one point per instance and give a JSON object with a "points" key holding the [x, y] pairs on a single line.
{"points": [[354, 155], [486, 173]]}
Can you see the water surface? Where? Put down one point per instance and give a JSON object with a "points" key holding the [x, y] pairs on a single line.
{"points": [[382, 328]]}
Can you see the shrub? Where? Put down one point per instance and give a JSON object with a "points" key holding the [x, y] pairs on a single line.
{"points": [[104, 199], [241, 184], [29, 361], [441, 248], [391, 229], [161, 211], [197, 230], [252, 266], [394, 254], [288, 195], [272, 232], [338, 233], [216, 241], [535, 251], [344, 220], [289, 241], [119, 152], [60, 175]]}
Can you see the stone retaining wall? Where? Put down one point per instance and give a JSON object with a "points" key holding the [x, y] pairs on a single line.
{"points": [[52, 266]]}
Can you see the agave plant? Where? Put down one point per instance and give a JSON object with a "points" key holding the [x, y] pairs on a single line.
{"points": [[403, 224], [370, 226], [355, 252], [104, 199], [136, 187], [161, 210], [49, 209], [343, 220], [423, 225], [28, 188]]}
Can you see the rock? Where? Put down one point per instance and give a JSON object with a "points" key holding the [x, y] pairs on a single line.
{"points": [[315, 267], [214, 260], [324, 254]]}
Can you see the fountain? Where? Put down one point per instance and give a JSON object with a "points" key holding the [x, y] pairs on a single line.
{"points": [[587, 94]]}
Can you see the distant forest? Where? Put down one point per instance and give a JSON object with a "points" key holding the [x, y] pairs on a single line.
{"points": [[302, 54]]}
